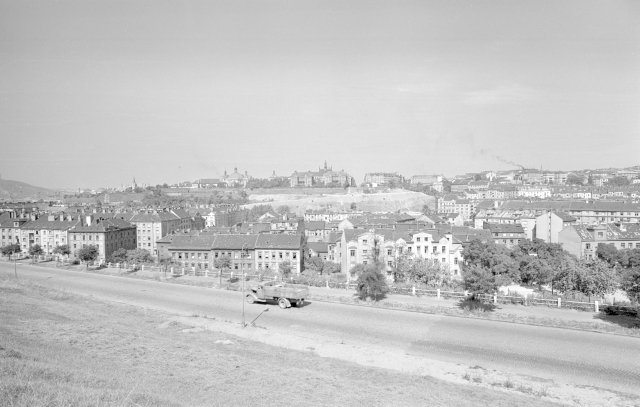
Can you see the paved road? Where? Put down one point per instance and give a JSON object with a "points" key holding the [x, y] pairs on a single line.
{"points": [[577, 357]]}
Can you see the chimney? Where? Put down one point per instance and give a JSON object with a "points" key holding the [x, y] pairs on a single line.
{"points": [[88, 219]]}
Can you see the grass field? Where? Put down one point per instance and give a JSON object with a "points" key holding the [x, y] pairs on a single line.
{"points": [[58, 349]]}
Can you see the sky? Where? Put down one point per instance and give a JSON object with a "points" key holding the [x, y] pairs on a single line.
{"points": [[95, 93]]}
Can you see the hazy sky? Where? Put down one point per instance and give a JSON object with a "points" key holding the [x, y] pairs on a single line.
{"points": [[93, 93]]}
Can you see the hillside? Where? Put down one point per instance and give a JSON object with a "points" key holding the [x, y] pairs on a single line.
{"points": [[392, 201], [20, 191]]}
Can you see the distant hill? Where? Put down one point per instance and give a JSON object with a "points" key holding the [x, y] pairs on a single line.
{"points": [[20, 191]]}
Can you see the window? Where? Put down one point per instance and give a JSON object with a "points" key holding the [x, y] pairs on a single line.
{"points": [[280, 254], [388, 252], [352, 252], [455, 260], [417, 239], [600, 234], [444, 249], [295, 255], [587, 246], [365, 251], [364, 241], [259, 255], [389, 263], [622, 245], [364, 262]]}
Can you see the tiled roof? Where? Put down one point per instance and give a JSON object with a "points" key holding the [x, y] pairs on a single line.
{"points": [[612, 231], [564, 216], [505, 227], [279, 241], [235, 242], [318, 247], [315, 225], [44, 224], [567, 206], [102, 226], [192, 242]]}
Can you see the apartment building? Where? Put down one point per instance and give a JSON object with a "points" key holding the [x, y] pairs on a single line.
{"points": [[152, 226], [366, 246], [583, 240], [107, 235], [248, 253]]}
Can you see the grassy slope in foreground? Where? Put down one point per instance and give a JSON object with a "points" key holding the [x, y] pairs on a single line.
{"points": [[62, 349]]}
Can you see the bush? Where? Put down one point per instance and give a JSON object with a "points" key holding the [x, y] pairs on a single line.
{"points": [[372, 284], [626, 310]]}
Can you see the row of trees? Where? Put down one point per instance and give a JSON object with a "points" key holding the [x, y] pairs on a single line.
{"points": [[488, 266]]}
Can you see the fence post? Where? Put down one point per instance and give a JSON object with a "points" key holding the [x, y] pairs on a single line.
{"points": [[117, 265], [438, 293], [327, 283], [413, 290], [142, 268], [597, 307], [206, 272], [109, 264], [183, 271], [559, 302], [495, 299]]}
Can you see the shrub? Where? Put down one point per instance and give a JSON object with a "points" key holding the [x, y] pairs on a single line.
{"points": [[626, 310], [372, 284]]}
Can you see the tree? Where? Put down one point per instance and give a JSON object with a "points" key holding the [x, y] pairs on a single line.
{"points": [[607, 252], [631, 283], [574, 179], [430, 273], [35, 250], [372, 284], [87, 254], [330, 267], [139, 256], [62, 250], [357, 270], [222, 263], [479, 280], [314, 263], [598, 278], [619, 181], [495, 258], [119, 256], [10, 249], [285, 269]]}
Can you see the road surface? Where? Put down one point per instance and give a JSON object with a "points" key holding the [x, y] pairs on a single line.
{"points": [[581, 358]]}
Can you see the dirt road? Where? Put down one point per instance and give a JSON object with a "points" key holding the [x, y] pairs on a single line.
{"points": [[583, 366]]}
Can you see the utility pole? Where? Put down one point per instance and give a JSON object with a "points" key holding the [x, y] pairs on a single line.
{"points": [[242, 257]]}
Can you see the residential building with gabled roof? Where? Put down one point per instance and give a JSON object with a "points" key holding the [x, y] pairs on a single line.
{"points": [[550, 224], [583, 240], [248, 252], [507, 234], [107, 235], [386, 246], [46, 231]]}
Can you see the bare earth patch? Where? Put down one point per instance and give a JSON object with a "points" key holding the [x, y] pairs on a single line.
{"points": [[61, 349]]}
